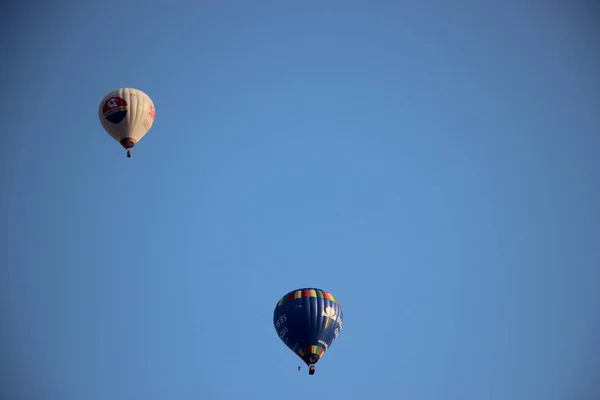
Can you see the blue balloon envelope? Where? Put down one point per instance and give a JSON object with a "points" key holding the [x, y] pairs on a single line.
{"points": [[308, 321]]}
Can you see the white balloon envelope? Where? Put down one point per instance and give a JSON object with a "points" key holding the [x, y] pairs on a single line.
{"points": [[127, 115]]}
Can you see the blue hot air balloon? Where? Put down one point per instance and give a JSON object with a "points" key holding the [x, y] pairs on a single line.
{"points": [[308, 321]]}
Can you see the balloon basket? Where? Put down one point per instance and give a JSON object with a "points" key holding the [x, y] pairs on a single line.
{"points": [[311, 370]]}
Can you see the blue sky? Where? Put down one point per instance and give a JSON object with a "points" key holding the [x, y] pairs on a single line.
{"points": [[434, 166]]}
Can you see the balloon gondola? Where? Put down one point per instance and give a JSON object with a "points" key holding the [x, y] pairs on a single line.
{"points": [[308, 321], [127, 115]]}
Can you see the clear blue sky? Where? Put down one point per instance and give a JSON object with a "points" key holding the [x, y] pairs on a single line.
{"points": [[434, 166]]}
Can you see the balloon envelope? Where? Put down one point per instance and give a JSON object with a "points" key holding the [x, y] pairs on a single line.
{"points": [[308, 321], [127, 115]]}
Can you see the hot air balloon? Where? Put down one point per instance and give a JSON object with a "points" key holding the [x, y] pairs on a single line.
{"points": [[308, 321], [127, 115]]}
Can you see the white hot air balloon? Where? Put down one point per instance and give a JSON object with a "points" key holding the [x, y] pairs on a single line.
{"points": [[127, 115]]}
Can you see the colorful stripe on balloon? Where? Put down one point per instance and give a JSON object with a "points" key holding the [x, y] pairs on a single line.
{"points": [[313, 349], [303, 293]]}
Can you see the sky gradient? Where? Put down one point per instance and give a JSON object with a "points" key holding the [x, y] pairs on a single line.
{"points": [[434, 166]]}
